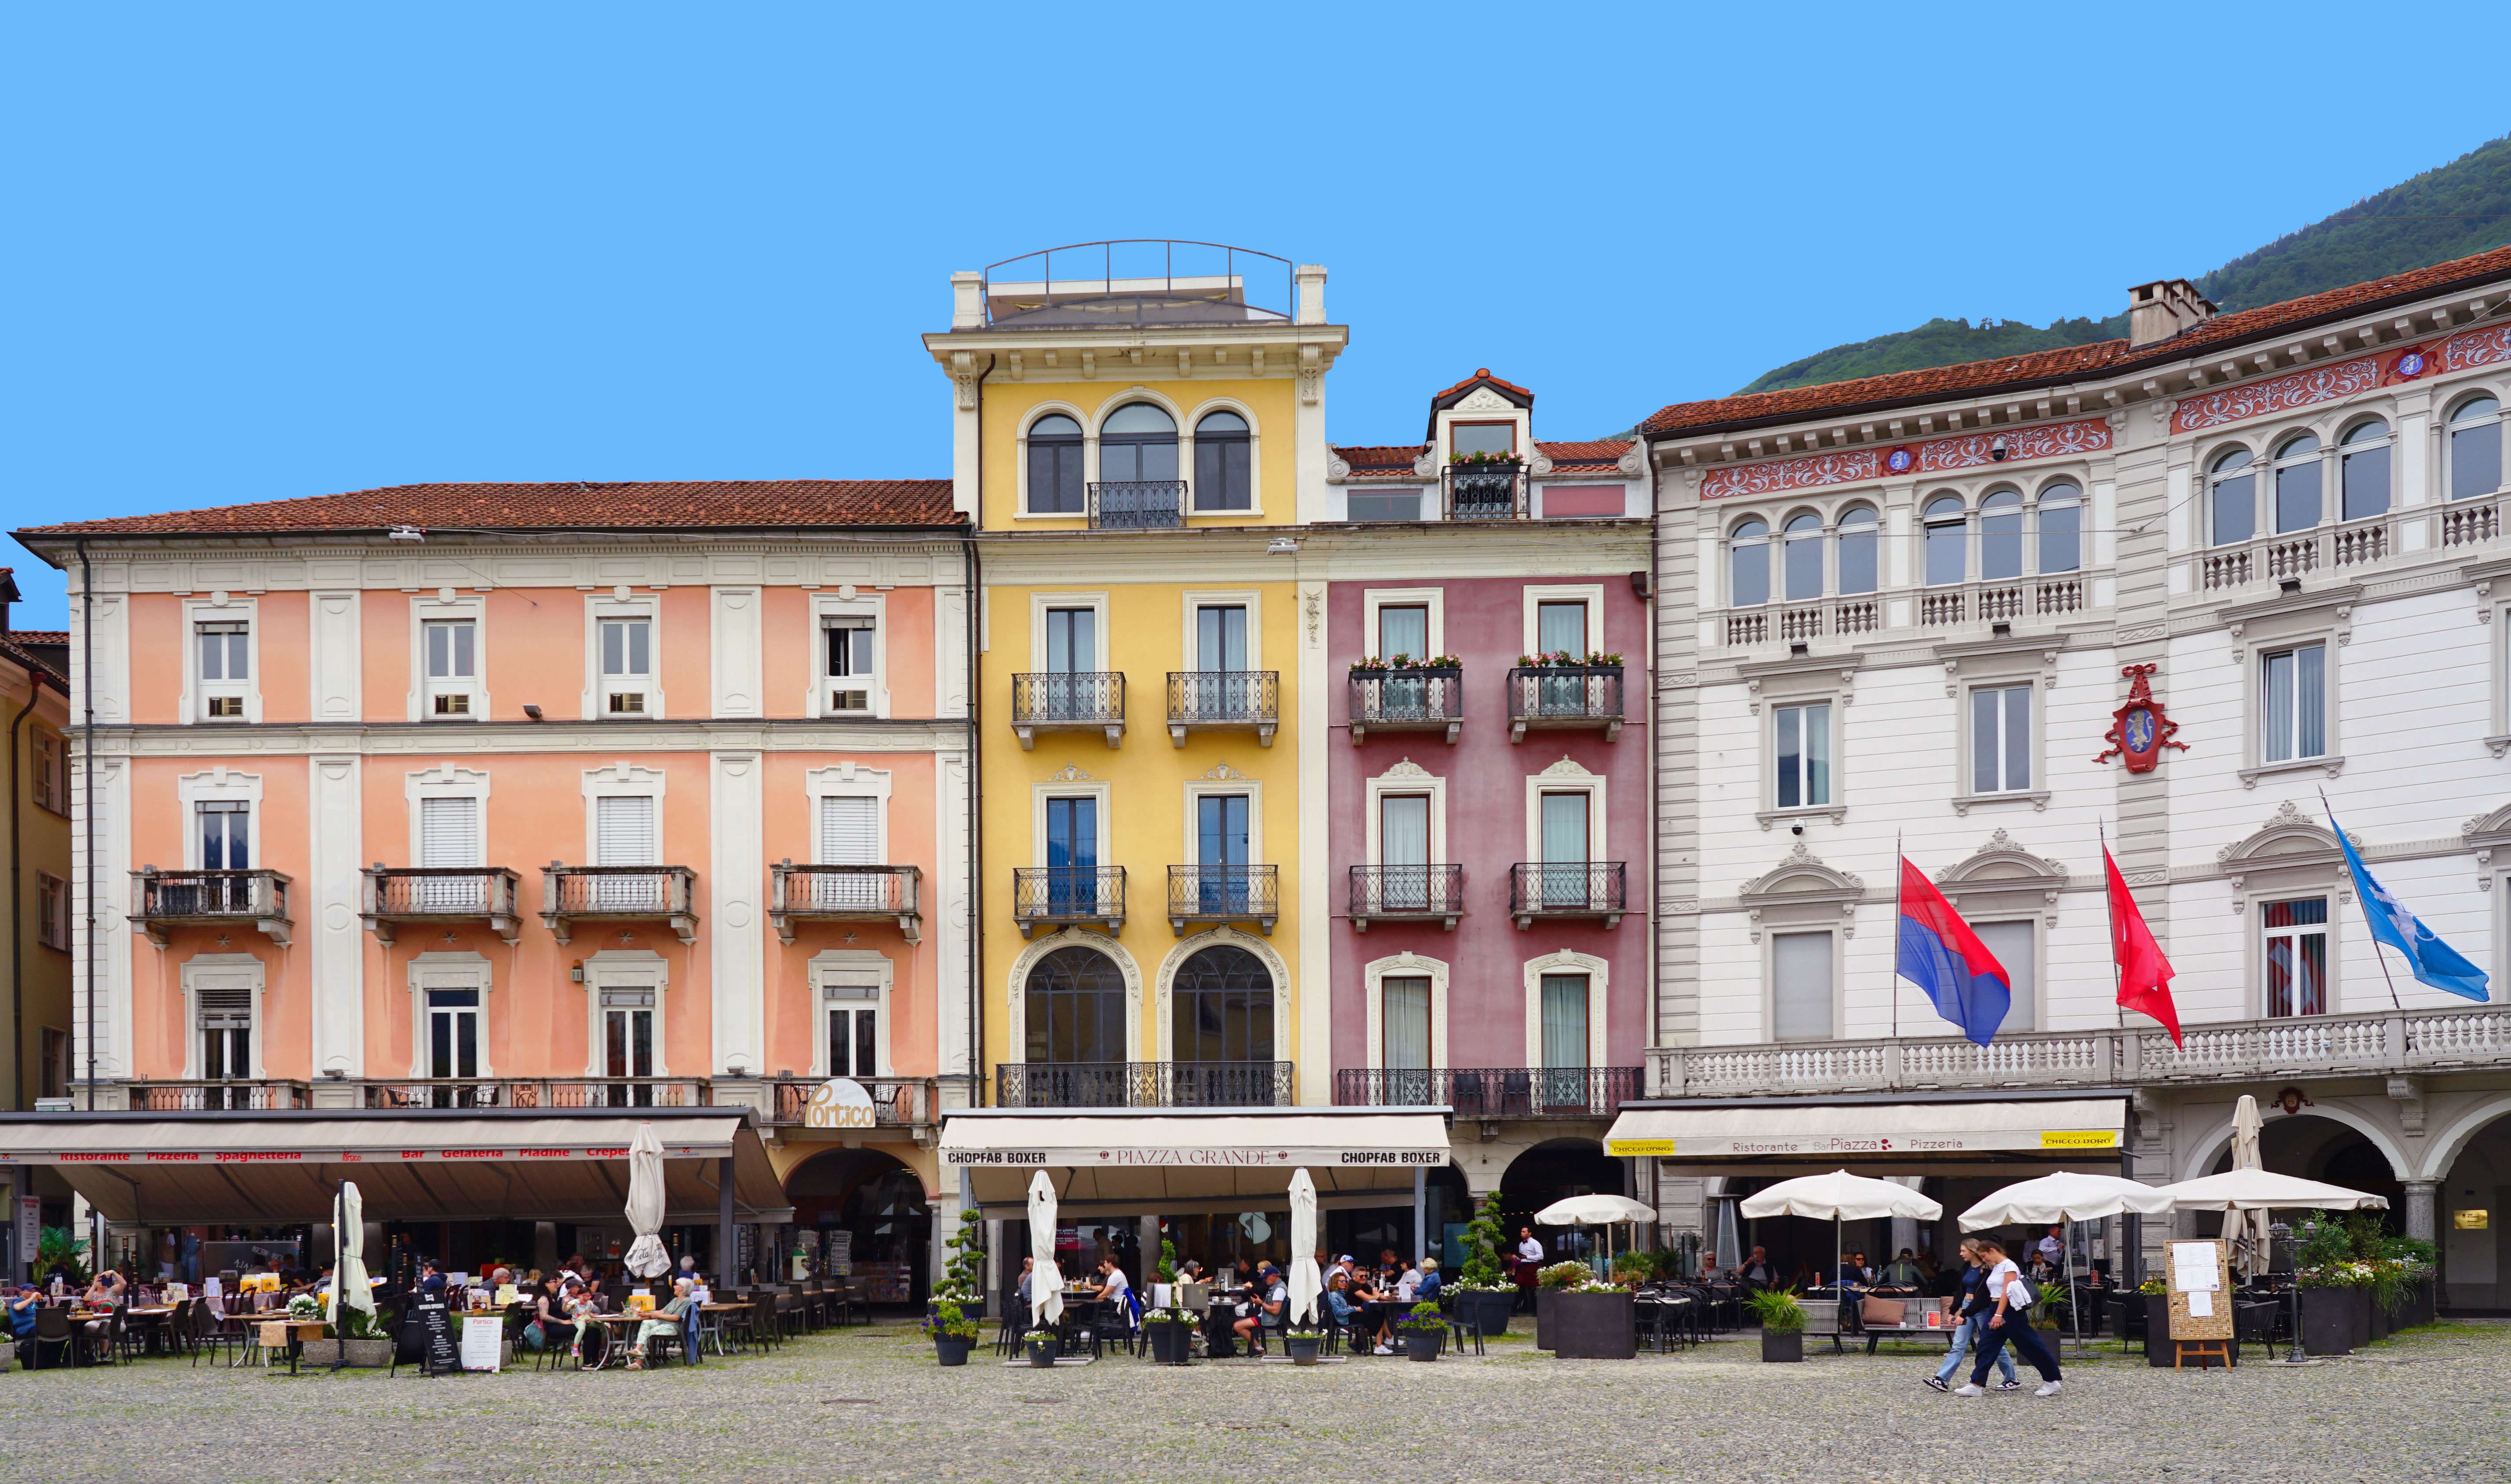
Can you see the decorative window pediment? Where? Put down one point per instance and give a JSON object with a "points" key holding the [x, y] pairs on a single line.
{"points": [[2290, 850], [1802, 891], [2002, 876]]}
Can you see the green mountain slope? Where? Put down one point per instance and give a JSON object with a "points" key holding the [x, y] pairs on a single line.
{"points": [[2462, 207]]}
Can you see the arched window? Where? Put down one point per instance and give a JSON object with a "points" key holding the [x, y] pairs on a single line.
{"points": [[2062, 529], [2296, 484], [1077, 1007], [1748, 565], [2231, 497], [2475, 448], [1137, 443], [1221, 1006], [1859, 569], [1948, 537], [1803, 557], [2000, 536], [2363, 470], [1055, 466], [1225, 476]]}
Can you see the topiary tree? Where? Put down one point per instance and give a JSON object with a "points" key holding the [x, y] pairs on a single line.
{"points": [[1166, 1273], [963, 1277], [1482, 1239]]}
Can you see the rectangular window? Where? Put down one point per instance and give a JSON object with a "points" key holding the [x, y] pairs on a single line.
{"points": [[1404, 629], [1800, 1001], [1568, 848], [451, 649], [1384, 505], [52, 1071], [224, 652], [448, 838], [2000, 738], [226, 835], [51, 911], [628, 1044], [1801, 755], [2295, 719], [2295, 957], [52, 773], [1483, 438], [627, 664], [1221, 638], [1055, 472], [1562, 628], [2016, 946], [1071, 641], [854, 1027], [226, 1034], [452, 1033], [1564, 1021], [1071, 855], [624, 834], [1405, 1008], [849, 835], [848, 643], [1404, 852]]}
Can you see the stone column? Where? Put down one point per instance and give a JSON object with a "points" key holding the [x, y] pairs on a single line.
{"points": [[2420, 1208]]}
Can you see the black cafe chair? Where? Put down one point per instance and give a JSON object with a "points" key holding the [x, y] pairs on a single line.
{"points": [[53, 1328]]}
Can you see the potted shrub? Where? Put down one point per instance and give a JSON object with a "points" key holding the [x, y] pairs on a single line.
{"points": [[953, 1333], [1303, 1340], [1040, 1344], [1171, 1332], [1424, 1329], [963, 1275], [1592, 1321], [1549, 1281], [2336, 1289], [1483, 1293], [1783, 1323], [360, 1341], [2153, 1299]]}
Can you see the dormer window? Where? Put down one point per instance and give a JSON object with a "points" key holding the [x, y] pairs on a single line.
{"points": [[1490, 440], [225, 652]]}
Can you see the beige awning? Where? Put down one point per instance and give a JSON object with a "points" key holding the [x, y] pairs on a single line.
{"points": [[1144, 1158], [171, 1170], [1869, 1130]]}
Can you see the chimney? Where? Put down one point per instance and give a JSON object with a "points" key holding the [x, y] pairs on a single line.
{"points": [[1312, 294], [967, 301], [2162, 309]]}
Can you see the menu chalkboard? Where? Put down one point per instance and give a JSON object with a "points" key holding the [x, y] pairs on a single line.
{"points": [[436, 1350]]}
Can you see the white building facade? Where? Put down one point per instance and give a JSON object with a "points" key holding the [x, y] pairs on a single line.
{"points": [[1909, 610]]}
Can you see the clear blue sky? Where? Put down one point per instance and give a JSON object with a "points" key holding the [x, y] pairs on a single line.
{"points": [[261, 252]]}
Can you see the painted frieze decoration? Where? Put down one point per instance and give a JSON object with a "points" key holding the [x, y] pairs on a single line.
{"points": [[2475, 347], [1977, 450], [2304, 389]]}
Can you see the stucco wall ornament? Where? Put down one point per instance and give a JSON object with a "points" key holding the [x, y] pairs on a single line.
{"points": [[2140, 729]]}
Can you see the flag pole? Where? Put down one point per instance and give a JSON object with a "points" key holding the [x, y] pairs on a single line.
{"points": [[2117, 973], [2377, 956], [1892, 981]]}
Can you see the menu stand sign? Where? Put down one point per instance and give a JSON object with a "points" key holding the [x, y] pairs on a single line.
{"points": [[436, 1348], [2201, 1297], [483, 1339]]}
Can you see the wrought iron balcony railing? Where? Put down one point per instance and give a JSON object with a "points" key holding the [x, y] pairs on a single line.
{"points": [[571, 893], [1566, 889], [896, 1102], [1484, 491], [1138, 505], [1406, 892], [536, 1092], [1074, 701], [1406, 700], [256, 1095], [1494, 1093], [424, 895], [1224, 894], [1054, 896], [162, 900], [1564, 696], [1224, 700], [1144, 1084], [845, 894]]}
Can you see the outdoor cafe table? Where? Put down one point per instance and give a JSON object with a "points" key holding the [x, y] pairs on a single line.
{"points": [[721, 1309]]}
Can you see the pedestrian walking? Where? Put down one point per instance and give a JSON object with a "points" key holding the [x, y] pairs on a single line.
{"points": [[2010, 1323], [1972, 1318]]}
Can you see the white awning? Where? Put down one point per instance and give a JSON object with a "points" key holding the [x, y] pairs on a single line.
{"points": [[174, 1169], [1140, 1157], [1869, 1130]]}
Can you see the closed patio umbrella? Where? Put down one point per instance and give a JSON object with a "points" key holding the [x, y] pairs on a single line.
{"points": [[350, 1288], [1304, 1279], [1045, 1284], [646, 1255], [2250, 1240]]}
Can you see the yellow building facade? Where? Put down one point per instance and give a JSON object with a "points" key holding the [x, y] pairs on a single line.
{"points": [[1137, 427]]}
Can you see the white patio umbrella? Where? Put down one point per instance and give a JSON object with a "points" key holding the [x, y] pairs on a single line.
{"points": [[1606, 1211], [2257, 1190], [1305, 1281], [2066, 1196], [646, 1255], [1045, 1284], [350, 1288], [1839, 1197], [2249, 1241]]}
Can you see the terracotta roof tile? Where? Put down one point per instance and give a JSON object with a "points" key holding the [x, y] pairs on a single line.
{"points": [[1480, 374], [38, 635], [2072, 362], [1383, 458], [561, 506], [1591, 456]]}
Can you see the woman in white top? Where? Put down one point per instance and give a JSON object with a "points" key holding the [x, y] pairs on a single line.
{"points": [[2010, 1321]]}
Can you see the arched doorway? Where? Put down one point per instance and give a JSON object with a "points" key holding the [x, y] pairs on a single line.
{"points": [[1073, 1019], [2472, 1210], [2322, 1148], [1550, 1171], [862, 1208]]}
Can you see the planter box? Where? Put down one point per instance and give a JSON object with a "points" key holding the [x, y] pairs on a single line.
{"points": [[1493, 1308], [1592, 1327], [1303, 1348], [949, 1352], [1041, 1353], [2158, 1329], [2380, 1324], [2335, 1320], [1172, 1343], [368, 1352], [1543, 1300], [1423, 1343], [2421, 1306], [1782, 1345]]}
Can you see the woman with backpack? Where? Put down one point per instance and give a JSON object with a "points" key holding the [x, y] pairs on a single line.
{"points": [[2010, 1322]]}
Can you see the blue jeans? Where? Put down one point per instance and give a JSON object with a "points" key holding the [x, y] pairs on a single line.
{"points": [[1964, 1340], [2018, 1332]]}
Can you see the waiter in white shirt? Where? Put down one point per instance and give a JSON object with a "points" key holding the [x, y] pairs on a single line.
{"points": [[1529, 1258]]}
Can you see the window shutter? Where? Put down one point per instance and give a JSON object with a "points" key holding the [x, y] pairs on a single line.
{"points": [[225, 1008], [1801, 992], [849, 832], [624, 831], [449, 832]]}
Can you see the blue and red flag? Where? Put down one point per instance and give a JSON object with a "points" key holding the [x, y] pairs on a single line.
{"points": [[1941, 955]]}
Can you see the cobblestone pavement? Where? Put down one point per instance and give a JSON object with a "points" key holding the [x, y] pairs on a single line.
{"points": [[868, 1404]]}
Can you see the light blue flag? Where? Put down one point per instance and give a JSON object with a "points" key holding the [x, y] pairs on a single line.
{"points": [[2433, 961]]}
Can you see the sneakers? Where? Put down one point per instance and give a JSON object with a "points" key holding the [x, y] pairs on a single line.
{"points": [[1938, 1381], [2009, 1383], [1968, 1390], [1383, 1349], [2050, 1389]]}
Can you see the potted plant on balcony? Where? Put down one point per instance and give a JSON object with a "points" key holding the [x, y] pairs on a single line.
{"points": [[1170, 1331], [1040, 1344], [1783, 1323], [1425, 1329], [963, 1277], [953, 1333], [1483, 1293]]}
